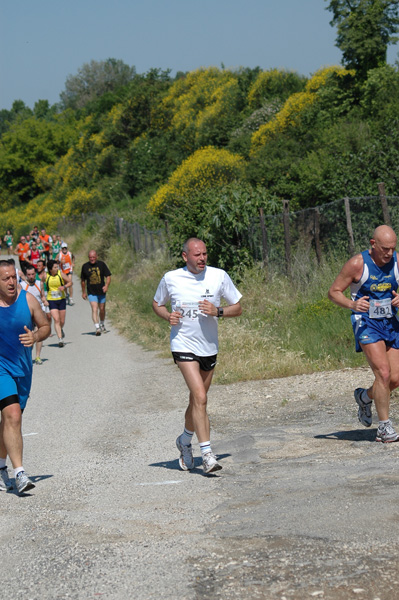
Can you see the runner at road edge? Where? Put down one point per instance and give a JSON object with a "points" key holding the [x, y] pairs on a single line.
{"points": [[19, 312], [373, 278], [195, 292]]}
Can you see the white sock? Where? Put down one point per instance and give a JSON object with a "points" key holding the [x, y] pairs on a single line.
{"points": [[2, 463], [205, 447], [97, 325], [102, 323], [18, 470]]}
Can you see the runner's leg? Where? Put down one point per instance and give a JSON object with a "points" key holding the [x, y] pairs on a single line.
{"points": [[377, 357], [94, 312], [198, 382], [101, 307], [11, 420], [62, 318], [55, 313]]}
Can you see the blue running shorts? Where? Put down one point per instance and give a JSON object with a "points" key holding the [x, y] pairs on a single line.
{"points": [[99, 298], [369, 331], [10, 386]]}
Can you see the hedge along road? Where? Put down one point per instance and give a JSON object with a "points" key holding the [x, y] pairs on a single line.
{"points": [[305, 506]]}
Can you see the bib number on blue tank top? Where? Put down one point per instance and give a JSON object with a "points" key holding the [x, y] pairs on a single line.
{"points": [[380, 309]]}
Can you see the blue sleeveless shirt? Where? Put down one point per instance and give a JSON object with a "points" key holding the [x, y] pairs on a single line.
{"points": [[376, 282], [15, 358]]}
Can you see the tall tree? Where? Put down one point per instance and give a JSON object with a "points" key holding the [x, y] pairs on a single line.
{"points": [[95, 79], [365, 29]]}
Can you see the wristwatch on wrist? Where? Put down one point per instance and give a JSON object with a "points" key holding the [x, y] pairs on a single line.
{"points": [[220, 312]]}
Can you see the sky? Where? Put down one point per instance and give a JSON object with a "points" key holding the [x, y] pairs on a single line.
{"points": [[42, 42]]}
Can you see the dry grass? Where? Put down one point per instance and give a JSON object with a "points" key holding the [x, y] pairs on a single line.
{"points": [[287, 327]]}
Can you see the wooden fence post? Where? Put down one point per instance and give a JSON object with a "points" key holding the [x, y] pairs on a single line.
{"points": [[317, 234], [384, 204], [265, 253], [287, 236], [349, 227]]}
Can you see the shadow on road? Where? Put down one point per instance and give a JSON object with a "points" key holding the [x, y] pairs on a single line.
{"points": [[357, 435], [173, 465]]}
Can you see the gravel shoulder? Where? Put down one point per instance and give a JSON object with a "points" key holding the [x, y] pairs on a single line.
{"points": [[305, 506]]}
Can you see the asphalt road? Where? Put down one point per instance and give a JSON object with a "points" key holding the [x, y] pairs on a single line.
{"points": [[306, 505]]}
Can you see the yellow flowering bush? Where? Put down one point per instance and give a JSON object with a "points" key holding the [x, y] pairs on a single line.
{"points": [[207, 167], [272, 84], [291, 113], [80, 201], [198, 102], [42, 210]]}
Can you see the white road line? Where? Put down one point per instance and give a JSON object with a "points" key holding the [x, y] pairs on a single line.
{"points": [[160, 483]]}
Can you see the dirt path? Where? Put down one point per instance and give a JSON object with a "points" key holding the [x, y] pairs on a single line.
{"points": [[305, 506]]}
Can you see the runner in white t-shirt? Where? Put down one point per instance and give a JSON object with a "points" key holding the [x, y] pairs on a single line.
{"points": [[195, 294]]}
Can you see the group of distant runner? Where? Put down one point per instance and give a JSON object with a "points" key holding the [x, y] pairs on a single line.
{"points": [[31, 296]]}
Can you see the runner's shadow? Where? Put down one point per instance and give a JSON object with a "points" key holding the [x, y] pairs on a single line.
{"points": [[173, 465], [89, 333], [36, 478], [56, 345], [28, 494], [357, 435]]}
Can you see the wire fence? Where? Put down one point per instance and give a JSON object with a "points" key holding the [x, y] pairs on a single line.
{"points": [[141, 240], [342, 225]]}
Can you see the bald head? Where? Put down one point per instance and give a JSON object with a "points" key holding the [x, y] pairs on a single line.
{"points": [[383, 234], [383, 244]]}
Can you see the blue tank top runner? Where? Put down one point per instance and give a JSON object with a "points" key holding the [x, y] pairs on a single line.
{"points": [[376, 282], [15, 358]]}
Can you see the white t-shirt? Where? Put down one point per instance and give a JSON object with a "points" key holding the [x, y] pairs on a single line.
{"points": [[196, 333], [34, 289]]}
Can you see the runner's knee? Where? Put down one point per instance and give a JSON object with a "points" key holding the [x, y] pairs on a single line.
{"points": [[199, 399], [383, 374], [11, 415]]}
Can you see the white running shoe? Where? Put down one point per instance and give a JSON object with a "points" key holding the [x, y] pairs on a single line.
{"points": [[5, 482], [210, 463], [186, 460], [386, 433], [23, 482]]}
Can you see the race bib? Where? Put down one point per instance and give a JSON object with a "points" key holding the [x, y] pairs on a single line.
{"points": [[188, 310], [380, 309], [56, 295]]}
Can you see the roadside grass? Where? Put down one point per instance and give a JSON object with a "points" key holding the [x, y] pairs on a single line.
{"points": [[288, 326]]}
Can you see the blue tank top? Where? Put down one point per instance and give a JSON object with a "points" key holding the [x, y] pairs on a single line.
{"points": [[376, 282], [15, 358]]}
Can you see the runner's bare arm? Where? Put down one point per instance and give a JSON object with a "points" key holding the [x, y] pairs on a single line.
{"points": [[43, 327], [350, 272], [42, 294], [107, 282], [83, 284], [67, 280], [207, 308], [173, 318]]}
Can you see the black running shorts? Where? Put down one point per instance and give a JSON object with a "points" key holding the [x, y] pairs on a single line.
{"points": [[207, 363]]}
